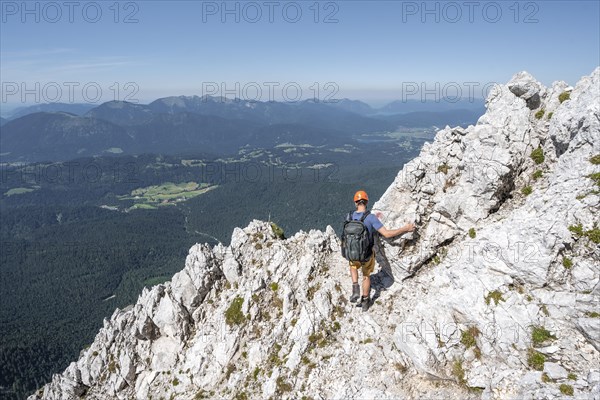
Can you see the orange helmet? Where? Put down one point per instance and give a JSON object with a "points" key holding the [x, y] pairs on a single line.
{"points": [[360, 195]]}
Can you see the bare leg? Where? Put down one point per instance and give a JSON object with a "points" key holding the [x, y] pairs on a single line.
{"points": [[355, 288], [354, 274], [366, 285]]}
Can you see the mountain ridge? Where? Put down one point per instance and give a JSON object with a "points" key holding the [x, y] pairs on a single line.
{"points": [[463, 307], [221, 127], [171, 103], [73, 108], [177, 125], [36, 136]]}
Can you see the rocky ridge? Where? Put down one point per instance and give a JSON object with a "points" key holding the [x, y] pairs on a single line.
{"points": [[495, 296]]}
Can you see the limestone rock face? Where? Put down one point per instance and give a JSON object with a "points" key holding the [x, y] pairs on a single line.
{"points": [[495, 295], [524, 86]]}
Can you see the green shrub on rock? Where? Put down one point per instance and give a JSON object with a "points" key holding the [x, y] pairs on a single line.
{"points": [[277, 231]]}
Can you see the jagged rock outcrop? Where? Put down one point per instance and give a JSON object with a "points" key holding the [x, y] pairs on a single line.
{"points": [[495, 296]]}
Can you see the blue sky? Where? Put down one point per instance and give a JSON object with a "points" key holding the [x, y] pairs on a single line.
{"points": [[368, 50]]}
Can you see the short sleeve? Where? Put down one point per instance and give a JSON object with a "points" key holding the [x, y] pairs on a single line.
{"points": [[375, 222]]}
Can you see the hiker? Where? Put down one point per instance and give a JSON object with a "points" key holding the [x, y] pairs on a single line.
{"points": [[357, 245]]}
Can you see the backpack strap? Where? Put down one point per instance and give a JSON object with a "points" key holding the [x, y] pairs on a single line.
{"points": [[365, 215], [371, 234], [362, 219], [349, 216]]}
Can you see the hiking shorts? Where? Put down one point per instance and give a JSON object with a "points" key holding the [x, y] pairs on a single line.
{"points": [[367, 267]]}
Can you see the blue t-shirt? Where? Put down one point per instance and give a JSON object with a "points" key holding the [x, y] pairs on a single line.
{"points": [[371, 222]]}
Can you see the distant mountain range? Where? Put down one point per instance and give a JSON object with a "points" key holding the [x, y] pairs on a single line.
{"points": [[267, 113], [217, 125], [410, 106], [206, 105], [72, 108]]}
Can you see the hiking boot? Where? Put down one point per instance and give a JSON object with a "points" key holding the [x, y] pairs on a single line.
{"points": [[365, 303], [355, 293]]}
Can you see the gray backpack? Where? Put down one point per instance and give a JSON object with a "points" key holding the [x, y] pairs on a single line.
{"points": [[357, 241]]}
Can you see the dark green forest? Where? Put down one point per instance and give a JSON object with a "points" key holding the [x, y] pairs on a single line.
{"points": [[57, 279]]}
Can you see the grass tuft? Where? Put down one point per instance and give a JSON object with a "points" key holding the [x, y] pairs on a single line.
{"points": [[564, 96], [496, 295], [537, 155], [576, 229], [443, 168], [566, 389], [535, 359], [234, 315], [277, 231], [472, 233], [459, 372], [592, 314], [468, 337], [595, 177], [592, 234], [539, 335], [540, 114], [282, 385]]}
